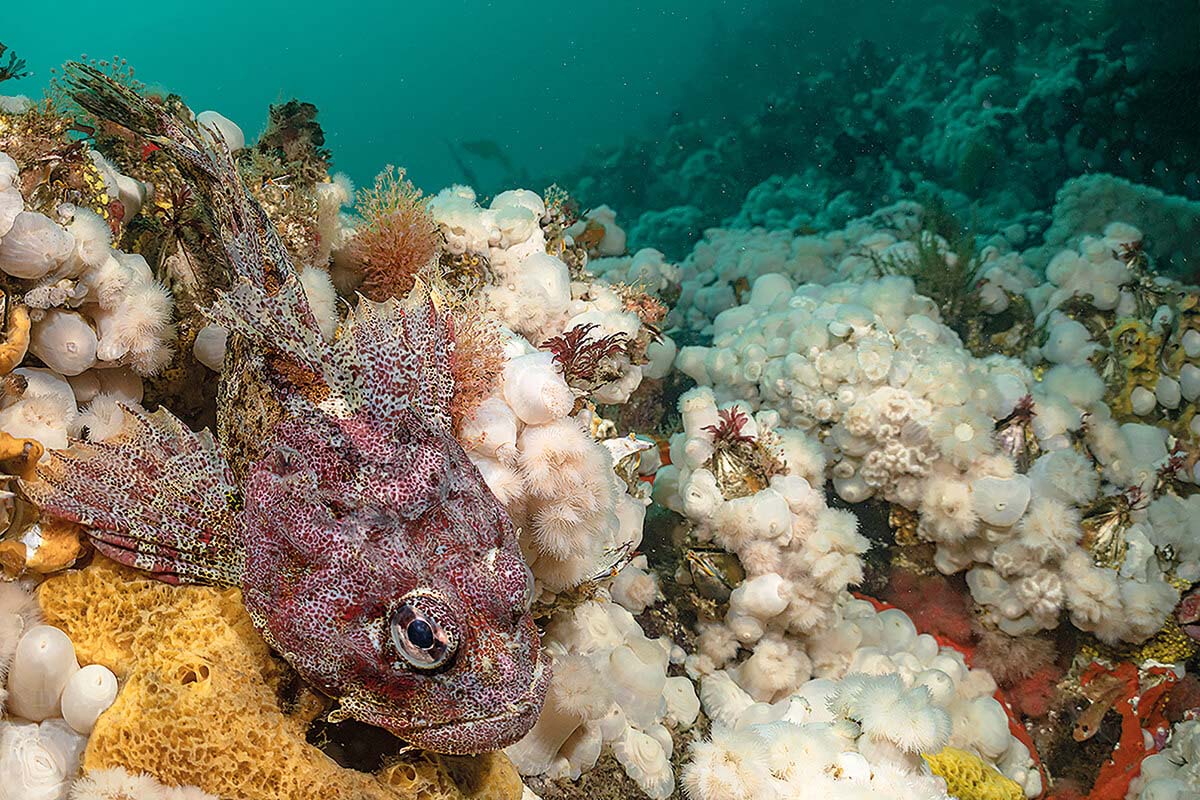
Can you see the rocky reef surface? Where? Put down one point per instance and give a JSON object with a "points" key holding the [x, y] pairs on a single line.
{"points": [[826, 495]]}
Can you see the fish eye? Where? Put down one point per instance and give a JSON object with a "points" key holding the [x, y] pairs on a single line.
{"points": [[417, 635]]}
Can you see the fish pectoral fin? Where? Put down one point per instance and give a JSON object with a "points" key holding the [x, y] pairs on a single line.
{"points": [[155, 496], [337, 714]]}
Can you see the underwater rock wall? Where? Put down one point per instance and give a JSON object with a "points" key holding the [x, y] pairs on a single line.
{"points": [[1016, 101]]}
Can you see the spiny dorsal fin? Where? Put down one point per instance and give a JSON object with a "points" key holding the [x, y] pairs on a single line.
{"points": [[256, 254], [390, 357], [394, 356]]}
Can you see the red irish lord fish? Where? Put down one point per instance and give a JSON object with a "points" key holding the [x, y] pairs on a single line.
{"points": [[370, 553]]}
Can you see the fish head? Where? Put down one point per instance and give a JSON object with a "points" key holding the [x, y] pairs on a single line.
{"points": [[390, 577], [460, 669]]}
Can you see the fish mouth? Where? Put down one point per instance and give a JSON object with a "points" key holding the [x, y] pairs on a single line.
{"points": [[489, 732]]}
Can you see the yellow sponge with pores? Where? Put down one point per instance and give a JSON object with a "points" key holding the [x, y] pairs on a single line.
{"points": [[968, 777]]}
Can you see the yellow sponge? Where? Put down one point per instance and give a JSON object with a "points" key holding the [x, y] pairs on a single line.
{"points": [[199, 700], [969, 778]]}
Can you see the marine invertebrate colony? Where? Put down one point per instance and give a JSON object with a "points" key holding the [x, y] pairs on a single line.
{"points": [[423, 507], [370, 552], [398, 239], [881, 702], [1026, 479]]}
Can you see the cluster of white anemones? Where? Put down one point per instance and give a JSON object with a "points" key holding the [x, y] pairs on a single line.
{"points": [[728, 258], [92, 306], [536, 449], [557, 482], [905, 413], [546, 457], [647, 268], [99, 320], [1086, 203], [532, 292], [802, 682], [1099, 273], [610, 690], [49, 703], [1172, 773], [879, 697], [798, 554]]}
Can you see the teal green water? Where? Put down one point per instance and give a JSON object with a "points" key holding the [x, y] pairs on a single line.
{"points": [[395, 82], [688, 114]]}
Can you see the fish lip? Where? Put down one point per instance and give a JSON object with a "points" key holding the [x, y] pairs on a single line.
{"points": [[529, 703], [462, 736]]}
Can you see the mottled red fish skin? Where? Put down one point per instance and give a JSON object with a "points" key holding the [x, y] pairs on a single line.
{"points": [[342, 520]]}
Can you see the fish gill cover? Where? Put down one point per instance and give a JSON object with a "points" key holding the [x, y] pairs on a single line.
{"points": [[782, 399]]}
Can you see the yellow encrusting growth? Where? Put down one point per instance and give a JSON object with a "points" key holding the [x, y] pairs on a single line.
{"points": [[967, 777], [426, 776], [16, 339], [19, 456], [199, 699]]}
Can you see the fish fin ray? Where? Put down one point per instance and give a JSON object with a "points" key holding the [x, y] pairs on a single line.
{"points": [[155, 496], [398, 357], [394, 357], [256, 254], [274, 321]]}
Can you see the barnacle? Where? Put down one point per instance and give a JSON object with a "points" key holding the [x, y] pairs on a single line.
{"points": [[561, 213], [1169, 646], [714, 573], [54, 168], [34, 134], [1104, 528], [1014, 434], [467, 271], [743, 464], [903, 522]]}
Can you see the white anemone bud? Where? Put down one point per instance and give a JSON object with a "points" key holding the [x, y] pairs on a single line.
{"points": [[64, 341], [210, 122], [11, 204], [34, 246], [38, 762], [42, 665], [209, 346], [1000, 502], [87, 695], [535, 390]]}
